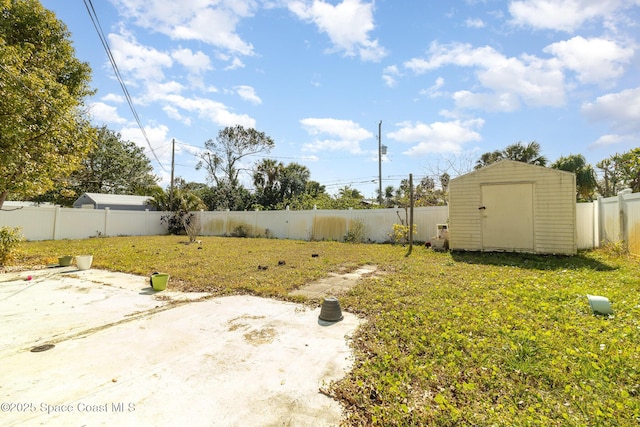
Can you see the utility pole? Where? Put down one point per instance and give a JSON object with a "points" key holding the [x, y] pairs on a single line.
{"points": [[173, 158], [380, 162], [410, 213]]}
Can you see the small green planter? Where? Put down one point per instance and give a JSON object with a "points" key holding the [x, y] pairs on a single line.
{"points": [[65, 261], [159, 281]]}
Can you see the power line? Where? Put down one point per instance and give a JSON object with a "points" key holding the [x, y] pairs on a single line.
{"points": [[96, 24]]}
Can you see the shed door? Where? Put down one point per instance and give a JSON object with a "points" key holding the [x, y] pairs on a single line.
{"points": [[507, 217]]}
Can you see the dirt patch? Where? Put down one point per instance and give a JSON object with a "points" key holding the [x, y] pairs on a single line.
{"points": [[260, 336], [336, 283]]}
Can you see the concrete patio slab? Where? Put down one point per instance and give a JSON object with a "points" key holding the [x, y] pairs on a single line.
{"points": [[123, 356]]}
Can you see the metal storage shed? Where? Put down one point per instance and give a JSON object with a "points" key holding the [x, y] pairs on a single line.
{"points": [[515, 207], [114, 201]]}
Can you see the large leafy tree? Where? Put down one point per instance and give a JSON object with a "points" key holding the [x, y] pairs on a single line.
{"points": [[267, 182], [529, 153], [112, 166], [223, 156], [620, 171], [585, 175], [276, 183], [43, 132], [115, 166]]}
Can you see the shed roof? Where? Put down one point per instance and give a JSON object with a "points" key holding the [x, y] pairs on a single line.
{"points": [[118, 199], [511, 163]]}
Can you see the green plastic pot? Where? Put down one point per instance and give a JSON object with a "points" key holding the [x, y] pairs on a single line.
{"points": [[159, 281], [65, 261]]}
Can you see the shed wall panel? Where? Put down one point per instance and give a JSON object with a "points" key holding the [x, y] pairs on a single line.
{"points": [[554, 206]]}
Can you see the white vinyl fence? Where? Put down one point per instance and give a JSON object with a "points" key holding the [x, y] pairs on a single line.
{"points": [[54, 223], [614, 219]]}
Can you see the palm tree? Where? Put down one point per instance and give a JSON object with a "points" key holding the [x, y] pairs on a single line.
{"points": [[585, 176], [529, 153], [519, 152]]}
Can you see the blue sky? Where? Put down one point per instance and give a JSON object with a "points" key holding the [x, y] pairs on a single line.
{"points": [[448, 80]]}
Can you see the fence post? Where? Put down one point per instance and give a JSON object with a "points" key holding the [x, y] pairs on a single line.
{"points": [[596, 222], [56, 220], [288, 216], [106, 221]]}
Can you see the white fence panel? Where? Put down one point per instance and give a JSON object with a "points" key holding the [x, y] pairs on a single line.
{"points": [[632, 219], [610, 220], [80, 223], [586, 225], [36, 222]]}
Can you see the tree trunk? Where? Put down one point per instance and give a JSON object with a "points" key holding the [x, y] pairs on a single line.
{"points": [[3, 197]]}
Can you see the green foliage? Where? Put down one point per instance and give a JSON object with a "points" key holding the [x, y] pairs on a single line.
{"points": [[620, 171], [519, 152], [113, 166], [43, 133], [276, 183], [357, 232], [400, 233], [222, 156], [585, 175], [180, 207], [240, 231], [10, 238]]}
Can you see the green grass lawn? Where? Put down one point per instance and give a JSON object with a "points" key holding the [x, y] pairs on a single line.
{"points": [[451, 338]]}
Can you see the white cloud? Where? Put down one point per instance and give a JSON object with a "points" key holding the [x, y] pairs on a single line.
{"points": [[104, 113], [615, 139], [211, 22], [621, 110], [437, 137], [235, 64], [434, 91], [389, 75], [158, 139], [474, 23], [595, 60], [529, 79], [208, 109], [144, 62], [196, 62], [347, 24], [563, 15], [343, 135], [248, 93], [112, 97], [174, 113]]}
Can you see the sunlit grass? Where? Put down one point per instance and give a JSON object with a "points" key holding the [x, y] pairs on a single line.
{"points": [[451, 339]]}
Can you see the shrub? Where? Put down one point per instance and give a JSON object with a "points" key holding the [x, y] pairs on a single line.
{"points": [[9, 240], [240, 231], [400, 233], [191, 224], [357, 232]]}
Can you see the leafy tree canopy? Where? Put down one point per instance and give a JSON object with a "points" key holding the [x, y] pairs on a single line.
{"points": [[620, 171], [585, 176], [519, 152], [222, 157], [43, 132]]}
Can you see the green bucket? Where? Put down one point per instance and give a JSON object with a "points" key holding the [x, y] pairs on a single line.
{"points": [[159, 281], [65, 261]]}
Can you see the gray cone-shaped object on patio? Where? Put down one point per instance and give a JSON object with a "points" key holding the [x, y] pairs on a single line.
{"points": [[330, 311]]}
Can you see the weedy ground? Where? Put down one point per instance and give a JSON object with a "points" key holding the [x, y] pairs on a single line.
{"points": [[450, 338]]}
